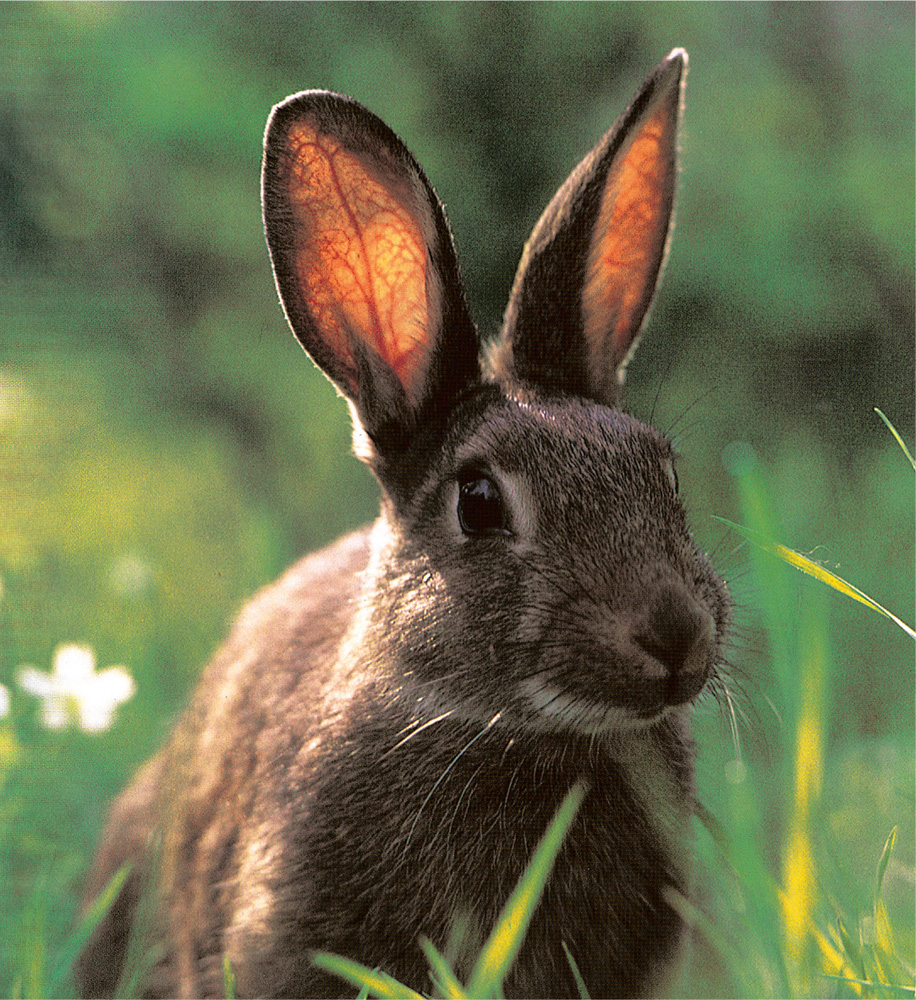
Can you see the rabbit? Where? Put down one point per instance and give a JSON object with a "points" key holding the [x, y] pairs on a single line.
{"points": [[388, 729]]}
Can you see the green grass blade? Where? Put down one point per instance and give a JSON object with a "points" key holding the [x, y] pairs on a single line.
{"points": [[880, 989], [757, 510], [228, 979], [803, 563], [377, 984], [852, 951], [694, 918], [446, 980], [716, 831], [897, 437], [84, 930], [577, 975], [799, 894], [143, 950], [33, 952], [884, 860], [504, 942]]}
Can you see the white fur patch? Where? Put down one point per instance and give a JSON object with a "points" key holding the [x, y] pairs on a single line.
{"points": [[558, 708]]}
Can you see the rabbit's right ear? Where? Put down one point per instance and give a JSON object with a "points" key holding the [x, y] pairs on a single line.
{"points": [[364, 264], [592, 264]]}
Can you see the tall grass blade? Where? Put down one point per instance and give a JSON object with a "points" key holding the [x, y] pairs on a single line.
{"points": [[447, 982], [852, 950], [880, 989], [577, 975], [803, 563], [799, 867], [86, 927], [502, 946], [884, 860], [757, 509], [142, 951], [375, 983], [228, 979], [834, 961], [695, 919], [898, 438], [33, 953]]}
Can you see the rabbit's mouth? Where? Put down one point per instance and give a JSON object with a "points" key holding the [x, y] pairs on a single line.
{"points": [[679, 688], [632, 704]]}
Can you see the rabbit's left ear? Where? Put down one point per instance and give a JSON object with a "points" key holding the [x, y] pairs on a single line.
{"points": [[595, 257], [364, 264]]}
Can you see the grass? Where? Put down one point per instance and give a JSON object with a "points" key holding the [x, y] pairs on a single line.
{"points": [[805, 847], [812, 922]]}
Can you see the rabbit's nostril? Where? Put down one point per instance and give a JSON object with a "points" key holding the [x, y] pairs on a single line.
{"points": [[678, 633], [671, 644]]}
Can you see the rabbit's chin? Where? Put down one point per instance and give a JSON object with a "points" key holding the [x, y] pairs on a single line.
{"points": [[555, 709]]}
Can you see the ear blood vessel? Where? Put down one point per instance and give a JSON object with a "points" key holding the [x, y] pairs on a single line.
{"points": [[389, 728]]}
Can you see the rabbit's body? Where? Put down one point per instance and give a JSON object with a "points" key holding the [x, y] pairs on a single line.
{"points": [[389, 729], [309, 842]]}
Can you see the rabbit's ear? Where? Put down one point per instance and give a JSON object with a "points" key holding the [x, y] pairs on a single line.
{"points": [[591, 266], [364, 263]]}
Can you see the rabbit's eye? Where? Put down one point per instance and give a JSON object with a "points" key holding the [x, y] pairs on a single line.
{"points": [[480, 506]]}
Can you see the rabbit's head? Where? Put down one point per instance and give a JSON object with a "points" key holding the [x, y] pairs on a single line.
{"points": [[533, 560]]}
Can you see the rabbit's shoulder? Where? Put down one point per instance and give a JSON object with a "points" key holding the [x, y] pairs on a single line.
{"points": [[281, 647], [312, 599]]}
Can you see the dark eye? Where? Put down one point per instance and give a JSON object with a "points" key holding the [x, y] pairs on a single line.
{"points": [[480, 506]]}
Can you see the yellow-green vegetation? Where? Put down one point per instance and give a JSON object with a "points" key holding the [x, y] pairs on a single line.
{"points": [[810, 904]]}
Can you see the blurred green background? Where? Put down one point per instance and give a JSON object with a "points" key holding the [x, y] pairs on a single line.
{"points": [[166, 448]]}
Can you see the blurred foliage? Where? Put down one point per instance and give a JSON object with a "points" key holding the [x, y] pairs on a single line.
{"points": [[165, 448]]}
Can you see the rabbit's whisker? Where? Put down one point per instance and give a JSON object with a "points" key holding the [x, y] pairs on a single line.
{"points": [[445, 774], [418, 729]]}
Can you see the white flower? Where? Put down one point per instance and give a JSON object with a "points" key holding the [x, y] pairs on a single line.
{"points": [[4, 702], [74, 689]]}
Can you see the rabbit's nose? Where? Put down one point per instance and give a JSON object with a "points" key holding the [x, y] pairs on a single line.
{"points": [[679, 633]]}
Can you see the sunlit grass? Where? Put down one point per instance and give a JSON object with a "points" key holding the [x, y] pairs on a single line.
{"points": [[798, 939], [897, 437], [819, 572]]}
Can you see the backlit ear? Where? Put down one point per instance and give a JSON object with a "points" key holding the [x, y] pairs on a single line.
{"points": [[591, 267], [364, 262]]}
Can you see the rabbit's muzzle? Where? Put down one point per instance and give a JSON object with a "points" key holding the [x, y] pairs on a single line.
{"points": [[606, 665], [678, 636]]}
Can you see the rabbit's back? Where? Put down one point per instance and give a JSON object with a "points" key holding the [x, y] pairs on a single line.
{"points": [[185, 809]]}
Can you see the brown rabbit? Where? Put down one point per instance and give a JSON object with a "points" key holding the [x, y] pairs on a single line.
{"points": [[389, 728]]}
